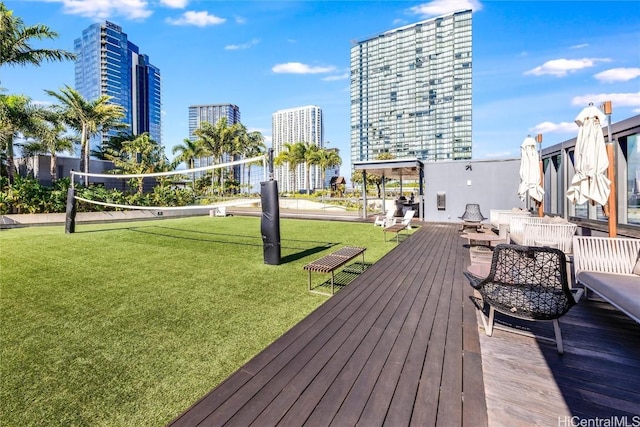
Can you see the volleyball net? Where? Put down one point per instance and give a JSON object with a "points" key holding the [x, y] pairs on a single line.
{"points": [[246, 173]]}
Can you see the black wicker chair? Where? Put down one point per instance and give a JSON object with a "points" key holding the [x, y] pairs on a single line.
{"points": [[526, 282], [472, 213]]}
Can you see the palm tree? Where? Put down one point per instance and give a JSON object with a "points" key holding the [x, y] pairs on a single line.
{"points": [[17, 116], [253, 147], [188, 153], [15, 37], [87, 117], [50, 140], [139, 156], [325, 159], [217, 139], [292, 155], [111, 145], [309, 152]]}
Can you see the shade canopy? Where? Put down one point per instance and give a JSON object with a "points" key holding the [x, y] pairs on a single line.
{"points": [[590, 182], [530, 180], [393, 169]]}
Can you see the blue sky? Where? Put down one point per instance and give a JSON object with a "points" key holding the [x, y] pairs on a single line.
{"points": [[536, 64]]}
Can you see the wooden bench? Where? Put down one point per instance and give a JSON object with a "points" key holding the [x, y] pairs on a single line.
{"points": [[395, 228], [330, 263], [605, 265]]}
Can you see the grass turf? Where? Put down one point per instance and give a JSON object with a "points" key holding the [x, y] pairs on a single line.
{"points": [[129, 324]]}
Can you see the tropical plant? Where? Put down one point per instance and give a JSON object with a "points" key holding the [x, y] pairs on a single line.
{"points": [[87, 117], [253, 147], [188, 152], [140, 156], [110, 145], [292, 155], [49, 139], [325, 159], [17, 116], [15, 37], [217, 139]]}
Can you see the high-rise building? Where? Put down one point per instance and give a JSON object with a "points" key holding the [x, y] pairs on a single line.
{"points": [[289, 126], [411, 91], [210, 113], [109, 64]]}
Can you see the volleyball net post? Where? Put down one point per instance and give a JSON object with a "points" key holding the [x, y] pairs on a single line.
{"points": [[71, 210], [270, 221]]}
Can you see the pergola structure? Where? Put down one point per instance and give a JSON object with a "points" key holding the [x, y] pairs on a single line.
{"points": [[398, 169]]}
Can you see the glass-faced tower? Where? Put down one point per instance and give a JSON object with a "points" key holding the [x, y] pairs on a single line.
{"points": [[411, 91], [108, 63]]}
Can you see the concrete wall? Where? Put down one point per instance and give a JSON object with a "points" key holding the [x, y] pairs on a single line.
{"points": [[473, 181]]}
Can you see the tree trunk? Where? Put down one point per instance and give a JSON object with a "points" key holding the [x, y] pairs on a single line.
{"points": [[10, 162], [52, 167]]}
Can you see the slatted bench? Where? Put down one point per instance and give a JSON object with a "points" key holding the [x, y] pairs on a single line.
{"points": [[395, 228], [330, 263]]}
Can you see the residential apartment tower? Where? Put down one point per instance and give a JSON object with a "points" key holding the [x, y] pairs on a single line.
{"points": [[411, 91], [108, 63], [289, 126]]}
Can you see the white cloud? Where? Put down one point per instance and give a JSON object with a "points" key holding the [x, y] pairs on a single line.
{"points": [[104, 9], [175, 4], [443, 7], [336, 77], [550, 127], [299, 68], [242, 46], [617, 99], [199, 19], [580, 46], [240, 20], [562, 67], [618, 75]]}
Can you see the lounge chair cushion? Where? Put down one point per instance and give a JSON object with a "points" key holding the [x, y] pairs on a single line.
{"points": [[621, 290]]}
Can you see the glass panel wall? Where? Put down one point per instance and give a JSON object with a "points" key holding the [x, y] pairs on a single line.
{"points": [[633, 178]]}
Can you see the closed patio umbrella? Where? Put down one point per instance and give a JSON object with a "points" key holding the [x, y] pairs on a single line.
{"points": [[530, 171], [590, 182]]}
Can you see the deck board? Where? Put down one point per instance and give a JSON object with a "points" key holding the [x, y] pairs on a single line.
{"points": [[401, 345]]}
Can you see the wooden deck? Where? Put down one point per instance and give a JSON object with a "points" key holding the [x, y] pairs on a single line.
{"points": [[401, 346]]}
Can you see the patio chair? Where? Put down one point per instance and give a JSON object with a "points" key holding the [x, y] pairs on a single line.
{"points": [[385, 220], [527, 283], [472, 217], [472, 213], [406, 220]]}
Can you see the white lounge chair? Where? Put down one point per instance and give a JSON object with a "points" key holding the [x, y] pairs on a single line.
{"points": [[406, 220], [385, 220]]}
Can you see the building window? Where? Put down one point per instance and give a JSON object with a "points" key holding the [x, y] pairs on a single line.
{"points": [[633, 179]]}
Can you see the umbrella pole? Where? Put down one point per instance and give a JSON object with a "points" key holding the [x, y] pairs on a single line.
{"points": [[613, 232], [611, 172], [541, 204]]}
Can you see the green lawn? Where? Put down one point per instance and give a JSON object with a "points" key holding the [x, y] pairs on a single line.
{"points": [[129, 324]]}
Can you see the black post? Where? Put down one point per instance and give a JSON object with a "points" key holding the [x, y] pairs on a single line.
{"points": [[270, 224], [70, 223]]}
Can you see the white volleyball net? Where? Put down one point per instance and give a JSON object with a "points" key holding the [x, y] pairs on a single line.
{"points": [[209, 188]]}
